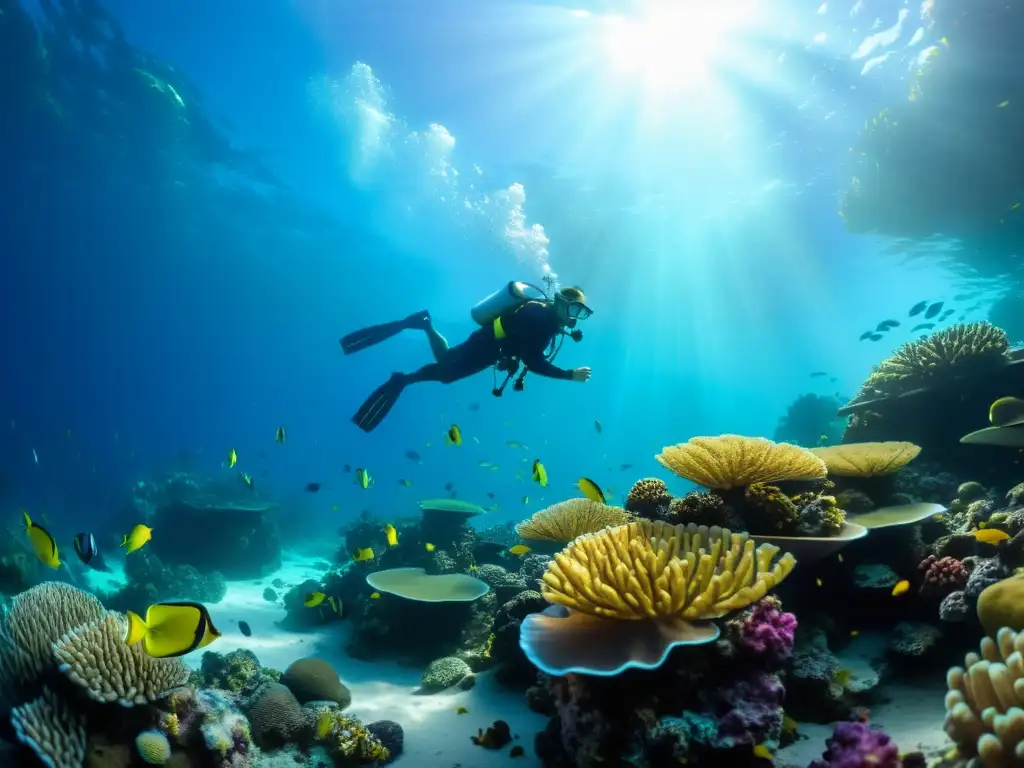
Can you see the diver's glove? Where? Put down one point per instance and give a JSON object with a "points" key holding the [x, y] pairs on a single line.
{"points": [[581, 374]]}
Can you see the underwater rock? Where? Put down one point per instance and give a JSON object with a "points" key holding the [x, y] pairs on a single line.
{"points": [[506, 585], [532, 569], [985, 571], [954, 607], [270, 595], [239, 537], [238, 671], [514, 669], [390, 734], [1001, 604], [150, 581], [874, 576], [856, 744], [649, 498], [813, 694], [970, 491], [957, 545], [444, 673], [313, 679], [914, 639]]}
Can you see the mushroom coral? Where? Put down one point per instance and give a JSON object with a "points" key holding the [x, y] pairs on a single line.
{"points": [[625, 596], [566, 520], [733, 461], [866, 459]]}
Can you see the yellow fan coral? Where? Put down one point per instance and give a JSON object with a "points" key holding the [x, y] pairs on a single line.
{"points": [[566, 520], [731, 461], [866, 459], [984, 714], [653, 570]]}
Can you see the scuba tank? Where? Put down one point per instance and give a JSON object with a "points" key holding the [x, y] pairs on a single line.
{"points": [[501, 301]]}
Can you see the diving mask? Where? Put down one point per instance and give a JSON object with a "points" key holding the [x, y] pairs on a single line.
{"points": [[573, 309]]}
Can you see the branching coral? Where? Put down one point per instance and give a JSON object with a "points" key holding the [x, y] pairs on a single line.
{"points": [[96, 657], [566, 520], [647, 570], [648, 498], [733, 461], [984, 714], [866, 459], [960, 348]]}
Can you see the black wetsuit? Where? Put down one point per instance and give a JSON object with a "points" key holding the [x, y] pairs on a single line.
{"points": [[529, 331]]}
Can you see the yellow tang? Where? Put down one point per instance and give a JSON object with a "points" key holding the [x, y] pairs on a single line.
{"points": [[363, 478], [281, 435], [520, 550], [391, 534], [901, 588], [590, 489], [138, 537], [362, 555], [232, 458], [43, 544], [454, 436], [429, 547], [540, 475], [375, 595], [171, 629], [313, 599], [324, 725], [990, 535]]}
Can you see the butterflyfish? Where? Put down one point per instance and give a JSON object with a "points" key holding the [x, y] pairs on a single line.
{"points": [[429, 547], [313, 599], [232, 458], [363, 478], [137, 538], [590, 489], [280, 436], [362, 555], [519, 550], [171, 629], [901, 588], [540, 475], [453, 436], [43, 544], [391, 534]]}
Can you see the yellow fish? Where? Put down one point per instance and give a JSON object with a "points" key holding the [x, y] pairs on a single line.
{"points": [[990, 535], [842, 676], [429, 547], [324, 724], [519, 550], [454, 436], [590, 489], [854, 633], [540, 475], [900, 588], [335, 605], [391, 534], [280, 436], [137, 538], [363, 478], [375, 595], [362, 555], [461, 711], [232, 458], [762, 752], [818, 582], [789, 724], [313, 599], [171, 629], [43, 544]]}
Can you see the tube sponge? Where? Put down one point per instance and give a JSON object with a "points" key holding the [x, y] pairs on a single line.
{"points": [[650, 569], [985, 701]]}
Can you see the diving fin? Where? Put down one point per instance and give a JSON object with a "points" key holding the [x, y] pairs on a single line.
{"points": [[379, 404], [375, 334]]}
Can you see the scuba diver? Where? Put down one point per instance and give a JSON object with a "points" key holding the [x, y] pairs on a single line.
{"points": [[520, 327]]}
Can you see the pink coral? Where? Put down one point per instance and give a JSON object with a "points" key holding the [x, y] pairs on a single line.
{"points": [[767, 631], [855, 745], [942, 575]]}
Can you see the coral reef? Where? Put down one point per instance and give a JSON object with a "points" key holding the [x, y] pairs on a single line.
{"points": [[942, 575], [765, 631], [444, 673], [855, 744], [150, 581], [237, 671], [648, 498]]}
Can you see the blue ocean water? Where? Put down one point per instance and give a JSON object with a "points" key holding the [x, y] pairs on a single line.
{"points": [[428, 153]]}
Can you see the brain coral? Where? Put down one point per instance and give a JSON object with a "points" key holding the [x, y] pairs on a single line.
{"points": [[275, 716], [96, 657], [313, 679], [153, 747]]}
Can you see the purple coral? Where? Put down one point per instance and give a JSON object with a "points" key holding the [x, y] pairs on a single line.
{"points": [[768, 631], [855, 744]]}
